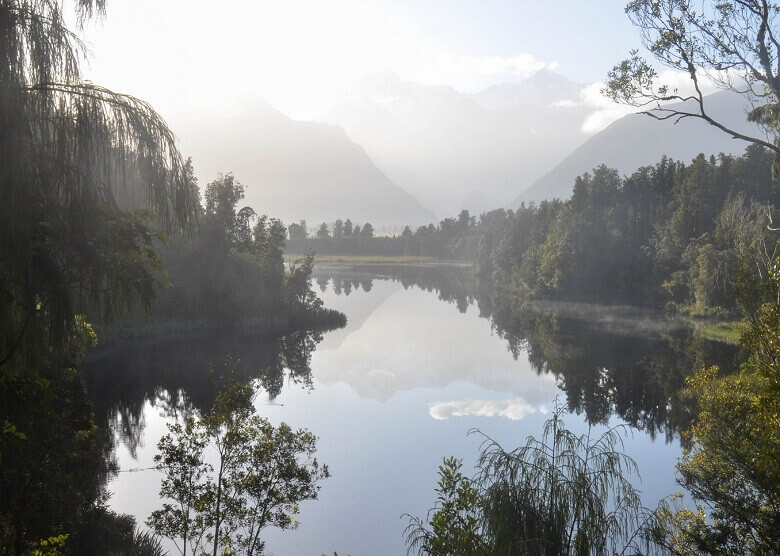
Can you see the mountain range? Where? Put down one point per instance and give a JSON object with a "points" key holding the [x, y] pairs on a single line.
{"points": [[454, 150], [297, 170], [393, 142], [638, 140]]}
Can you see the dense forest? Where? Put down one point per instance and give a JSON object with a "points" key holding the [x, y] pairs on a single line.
{"points": [[672, 236], [228, 273]]}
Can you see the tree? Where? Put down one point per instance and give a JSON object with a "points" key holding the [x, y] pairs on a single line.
{"points": [[348, 228], [561, 494], [455, 520], [733, 464], [279, 470], [367, 232], [227, 225], [180, 460], [464, 220], [299, 291], [734, 44], [338, 229], [260, 476], [322, 232], [268, 239], [298, 232], [88, 178]]}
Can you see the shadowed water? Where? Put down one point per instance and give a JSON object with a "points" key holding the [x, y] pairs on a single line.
{"points": [[425, 356]]}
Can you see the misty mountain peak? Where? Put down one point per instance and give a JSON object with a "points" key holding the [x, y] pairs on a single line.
{"points": [[544, 88], [441, 145]]}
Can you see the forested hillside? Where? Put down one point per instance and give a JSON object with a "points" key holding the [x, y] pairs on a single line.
{"points": [[672, 236], [669, 235]]}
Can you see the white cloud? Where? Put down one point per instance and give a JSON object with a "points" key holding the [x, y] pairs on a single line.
{"points": [[605, 111], [514, 409], [522, 65], [469, 74]]}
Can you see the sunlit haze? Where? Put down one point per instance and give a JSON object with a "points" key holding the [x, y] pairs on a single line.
{"points": [[384, 277], [303, 56]]}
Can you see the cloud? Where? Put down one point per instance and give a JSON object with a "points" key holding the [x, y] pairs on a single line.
{"points": [[605, 111], [470, 74], [522, 65], [514, 409]]}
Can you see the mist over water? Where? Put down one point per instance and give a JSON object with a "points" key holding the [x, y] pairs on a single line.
{"points": [[423, 359]]}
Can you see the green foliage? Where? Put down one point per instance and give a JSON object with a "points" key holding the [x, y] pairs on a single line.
{"points": [[77, 158], [180, 460], [52, 455], [452, 238], [91, 185], [561, 494], [261, 475], [299, 285], [727, 332], [669, 236], [455, 521], [223, 224], [231, 272], [53, 546], [733, 465]]}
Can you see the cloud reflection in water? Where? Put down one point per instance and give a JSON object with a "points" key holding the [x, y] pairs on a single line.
{"points": [[514, 409]]}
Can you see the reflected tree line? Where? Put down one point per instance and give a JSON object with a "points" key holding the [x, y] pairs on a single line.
{"points": [[627, 363], [606, 364], [170, 375]]}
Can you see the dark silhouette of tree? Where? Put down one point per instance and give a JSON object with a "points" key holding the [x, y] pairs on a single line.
{"points": [[298, 232], [90, 180], [338, 229], [223, 222], [322, 232], [87, 177]]}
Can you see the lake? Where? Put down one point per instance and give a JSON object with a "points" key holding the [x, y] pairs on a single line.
{"points": [[425, 357]]}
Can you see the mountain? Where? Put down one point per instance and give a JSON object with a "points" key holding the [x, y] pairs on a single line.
{"points": [[297, 170], [454, 150], [638, 140]]}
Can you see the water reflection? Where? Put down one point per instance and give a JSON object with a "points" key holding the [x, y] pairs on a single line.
{"points": [[607, 361], [425, 355], [170, 374]]}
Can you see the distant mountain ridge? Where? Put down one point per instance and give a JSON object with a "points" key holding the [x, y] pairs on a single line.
{"points": [[454, 150], [297, 170], [638, 140]]}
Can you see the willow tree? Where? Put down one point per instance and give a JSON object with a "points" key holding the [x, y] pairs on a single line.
{"points": [[562, 493], [732, 44], [88, 178]]}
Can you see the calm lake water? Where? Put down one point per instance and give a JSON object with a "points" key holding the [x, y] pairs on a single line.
{"points": [[424, 358]]}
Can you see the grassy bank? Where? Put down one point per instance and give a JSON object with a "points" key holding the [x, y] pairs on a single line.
{"points": [[372, 259], [729, 332]]}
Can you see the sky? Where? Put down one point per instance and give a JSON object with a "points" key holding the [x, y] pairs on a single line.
{"points": [[303, 56]]}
